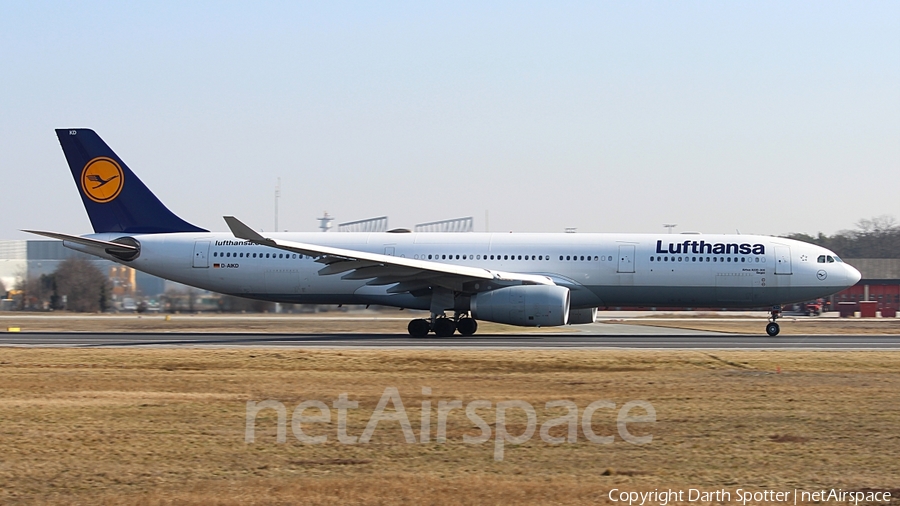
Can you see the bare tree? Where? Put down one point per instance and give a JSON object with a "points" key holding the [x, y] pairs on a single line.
{"points": [[877, 237], [34, 293], [84, 286], [877, 225]]}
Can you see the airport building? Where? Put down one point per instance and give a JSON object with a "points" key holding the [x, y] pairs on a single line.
{"points": [[877, 292], [31, 259]]}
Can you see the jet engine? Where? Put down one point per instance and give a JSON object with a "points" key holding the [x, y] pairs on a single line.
{"points": [[526, 305]]}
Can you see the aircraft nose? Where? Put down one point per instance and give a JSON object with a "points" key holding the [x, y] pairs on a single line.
{"points": [[853, 275]]}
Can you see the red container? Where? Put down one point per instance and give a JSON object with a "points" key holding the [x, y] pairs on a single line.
{"points": [[847, 309], [868, 308], [888, 312]]}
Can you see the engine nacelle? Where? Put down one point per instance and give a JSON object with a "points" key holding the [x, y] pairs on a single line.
{"points": [[526, 305], [582, 316]]}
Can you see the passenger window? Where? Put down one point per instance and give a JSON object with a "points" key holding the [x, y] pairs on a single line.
{"points": [[651, 259]]}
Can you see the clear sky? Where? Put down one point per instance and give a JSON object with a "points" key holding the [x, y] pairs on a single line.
{"points": [[763, 117]]}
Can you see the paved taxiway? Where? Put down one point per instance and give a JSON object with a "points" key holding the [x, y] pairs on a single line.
{"points": [[595, 336]]}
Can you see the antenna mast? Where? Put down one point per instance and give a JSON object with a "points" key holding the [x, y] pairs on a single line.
{"points": [[277, 194]]}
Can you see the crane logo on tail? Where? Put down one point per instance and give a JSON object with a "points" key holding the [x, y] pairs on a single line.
{"points": [[102, 179]]}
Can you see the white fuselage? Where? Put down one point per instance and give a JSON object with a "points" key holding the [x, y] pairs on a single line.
{"points": [[601, 270]]}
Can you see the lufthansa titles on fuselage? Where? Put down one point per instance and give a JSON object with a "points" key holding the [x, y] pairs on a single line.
{"points": [[235, 243], [703, 247]]}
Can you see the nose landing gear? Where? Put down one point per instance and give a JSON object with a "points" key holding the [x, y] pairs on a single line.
{"points": [[773, 328]]}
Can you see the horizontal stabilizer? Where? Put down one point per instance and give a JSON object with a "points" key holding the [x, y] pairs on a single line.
{"points": [[84, 241]]}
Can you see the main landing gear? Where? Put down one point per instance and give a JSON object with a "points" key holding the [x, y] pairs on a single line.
{"points": [[772, 328], [443, 326]]}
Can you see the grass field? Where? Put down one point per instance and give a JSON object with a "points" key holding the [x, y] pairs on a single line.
{"points": [[167, 426]]}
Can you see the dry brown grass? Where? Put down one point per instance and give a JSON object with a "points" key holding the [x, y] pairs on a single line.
{"points": [[166, 426]]}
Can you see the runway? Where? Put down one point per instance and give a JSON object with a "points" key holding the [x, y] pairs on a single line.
{"points": [[648, 338]]}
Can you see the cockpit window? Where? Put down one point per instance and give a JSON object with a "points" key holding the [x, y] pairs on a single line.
{"points": [[837, 259], [830, 259], [821, 259]]}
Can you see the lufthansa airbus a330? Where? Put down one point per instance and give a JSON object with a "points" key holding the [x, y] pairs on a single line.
{"points": [[517, 279]]}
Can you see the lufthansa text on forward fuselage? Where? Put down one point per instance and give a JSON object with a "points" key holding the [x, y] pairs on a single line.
{"points": [[701, 247]]}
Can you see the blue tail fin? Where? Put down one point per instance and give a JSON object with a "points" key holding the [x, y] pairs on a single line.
{"points": [[115, 199]]}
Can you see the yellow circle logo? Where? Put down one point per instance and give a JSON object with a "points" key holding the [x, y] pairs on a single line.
{"points": [[101, 179]]}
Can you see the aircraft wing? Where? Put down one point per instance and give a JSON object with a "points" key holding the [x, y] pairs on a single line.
{"points": [[406, 273]]}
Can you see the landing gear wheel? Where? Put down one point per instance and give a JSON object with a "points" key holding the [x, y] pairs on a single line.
{"points": [[444, 327], [772, 329], [467, 326], [418, 327]]}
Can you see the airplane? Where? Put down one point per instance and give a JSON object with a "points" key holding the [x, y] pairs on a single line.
{"points": [[524, 279]]}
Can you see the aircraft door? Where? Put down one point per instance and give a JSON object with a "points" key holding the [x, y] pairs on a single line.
{"points": [[782, 259], [389, 251], [201, 254], [626, 258]]}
